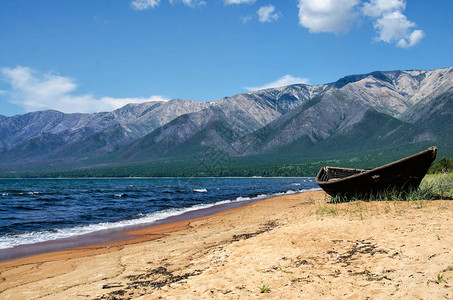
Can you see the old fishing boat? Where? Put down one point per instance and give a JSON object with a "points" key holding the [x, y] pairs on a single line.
{"points": [[403, 175]]}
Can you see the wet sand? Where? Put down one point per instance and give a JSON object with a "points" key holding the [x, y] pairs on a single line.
{"points": [[297, 246]]}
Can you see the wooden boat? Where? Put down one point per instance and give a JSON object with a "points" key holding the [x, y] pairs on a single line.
{"points": [[403, 175]]}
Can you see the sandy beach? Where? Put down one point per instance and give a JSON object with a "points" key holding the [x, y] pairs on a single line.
{"points": [[294, 247]]}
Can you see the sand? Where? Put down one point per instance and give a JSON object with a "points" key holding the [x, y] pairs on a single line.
{"points": [[296, 246]]}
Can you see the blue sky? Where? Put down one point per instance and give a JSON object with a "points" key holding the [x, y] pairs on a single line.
{"points": [[97, 55]]}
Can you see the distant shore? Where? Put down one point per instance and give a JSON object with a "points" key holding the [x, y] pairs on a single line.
{"points": [[157, 177], [289, 246]]}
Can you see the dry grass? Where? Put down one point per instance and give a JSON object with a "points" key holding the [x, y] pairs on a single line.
{"points": [[433, 187]]}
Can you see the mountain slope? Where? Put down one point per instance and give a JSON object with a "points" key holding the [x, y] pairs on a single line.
{"points": [[218, 125], [375, 101], [394, 92], [314, 121], [56, 134], [358, 113]]}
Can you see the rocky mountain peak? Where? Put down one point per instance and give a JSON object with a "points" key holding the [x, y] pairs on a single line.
{"points": [[378, 109]]}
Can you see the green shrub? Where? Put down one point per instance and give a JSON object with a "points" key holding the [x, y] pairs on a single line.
{"points": [[443, 165]]}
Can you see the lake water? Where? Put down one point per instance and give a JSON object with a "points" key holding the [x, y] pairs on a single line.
{"points": [[38, 210]]}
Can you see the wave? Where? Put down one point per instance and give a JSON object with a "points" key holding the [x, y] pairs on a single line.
{"points": [[120, 195], [200, 190], [12, 240], [19, 193]]}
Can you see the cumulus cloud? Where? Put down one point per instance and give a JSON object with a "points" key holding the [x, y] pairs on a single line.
{"points": [[334, 16], [144, 4], [37, 91], [375, 8], [391, 24], [227, 2], [282, 81], [268, 14], [411, 39]]}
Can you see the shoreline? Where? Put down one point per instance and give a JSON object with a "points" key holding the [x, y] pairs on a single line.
{"points": [[118, 235], [121, 234], [297, 245], [201, 177]]}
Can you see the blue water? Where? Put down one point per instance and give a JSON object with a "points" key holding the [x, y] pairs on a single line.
{"points": [[35, 210]]}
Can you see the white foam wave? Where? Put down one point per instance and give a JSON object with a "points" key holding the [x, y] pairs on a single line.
{"points": [[200, 190], [10, 241]]}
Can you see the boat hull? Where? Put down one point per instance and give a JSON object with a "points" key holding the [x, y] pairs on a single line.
{"points": [[402, 175]]}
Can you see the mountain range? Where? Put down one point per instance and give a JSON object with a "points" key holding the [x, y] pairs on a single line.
{"points": [[372, 116]]}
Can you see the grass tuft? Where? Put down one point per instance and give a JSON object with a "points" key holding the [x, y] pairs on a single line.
{"points": [[440, 278], [264, 289], [440, 185]]}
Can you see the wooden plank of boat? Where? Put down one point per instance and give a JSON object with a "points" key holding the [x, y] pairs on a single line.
{"points": [[403, 175]]}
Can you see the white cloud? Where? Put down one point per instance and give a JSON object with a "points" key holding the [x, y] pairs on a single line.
{"points": [[144, 4], [190, 3], [239, 1], [267, 14], [147, 4], [332, 16], [391, 24], [376, 8], [246, 19], [36, 91], [409, 41], [336, 16], [395, 27], [283, 81]]}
